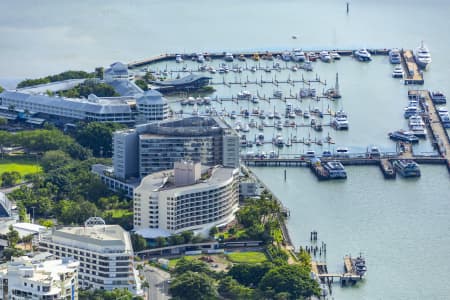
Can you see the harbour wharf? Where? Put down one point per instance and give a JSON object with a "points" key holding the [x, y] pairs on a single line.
{"points": [[412, 73], [246, 54], [348, 276]]}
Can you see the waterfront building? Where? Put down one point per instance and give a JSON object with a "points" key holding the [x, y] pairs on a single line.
{"points": [[135, 107], [188, 83], [39, 277], [117, 71], [188, 197], [104, 251], [157, 146]]}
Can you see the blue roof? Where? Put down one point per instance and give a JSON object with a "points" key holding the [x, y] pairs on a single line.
{"points": [[182, 81], [151, 97], [125, 87]]}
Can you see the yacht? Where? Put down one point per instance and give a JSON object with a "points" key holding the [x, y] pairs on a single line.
{"points": [[359, 265], [278, 94], [244, 95], [422, 56], [306, 114], [200, 58], [335, 55], [403, 136], [363, 55], [394, 56], [241, 57], [228, 57], [207, 100], [298, 55], [178, 58], [340, 120], [255, 57], [286, 56], [245, 128], [278, 141], [312, 56], [191, 101], [398, 72], [325, 56], [255, 99], [407, 168], [411, 111], [373, 152], [184, 102], [438, 97], [417, 126], [307, 66], [342, 152], [335, 170]]}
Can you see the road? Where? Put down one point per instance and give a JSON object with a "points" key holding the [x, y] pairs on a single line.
{"points": [[157, 279]]}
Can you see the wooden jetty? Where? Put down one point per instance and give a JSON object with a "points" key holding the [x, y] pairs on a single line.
{"points": [[412, 73], [349, 275]]}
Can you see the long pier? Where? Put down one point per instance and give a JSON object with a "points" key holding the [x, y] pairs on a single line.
{"points": [[246, 54], [412, 73]]}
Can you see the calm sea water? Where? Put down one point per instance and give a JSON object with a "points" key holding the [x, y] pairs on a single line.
{"points": [[402, 226]]}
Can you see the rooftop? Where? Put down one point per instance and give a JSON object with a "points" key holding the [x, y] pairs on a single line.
{"points": [[182, 81]]}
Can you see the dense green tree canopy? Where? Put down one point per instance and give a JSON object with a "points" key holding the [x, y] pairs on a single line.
{"points": [[229, 288], [292, 279], [100, 89], [184, 265], [97, 137], [10, 178], [52, 78], [193, 286], [249, 274]]}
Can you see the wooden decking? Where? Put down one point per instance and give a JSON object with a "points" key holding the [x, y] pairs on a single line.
{"points": [[412, 73]]}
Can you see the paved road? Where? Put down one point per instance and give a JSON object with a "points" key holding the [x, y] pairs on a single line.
{"points": [[157, 279]]}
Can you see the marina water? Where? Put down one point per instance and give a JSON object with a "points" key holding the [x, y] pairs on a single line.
{"points": [[401, 226]]}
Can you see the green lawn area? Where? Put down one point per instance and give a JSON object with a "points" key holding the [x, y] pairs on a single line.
{"points": [[250, 257], [228, 236], [23, 166], [119, 213], [173, 262]]}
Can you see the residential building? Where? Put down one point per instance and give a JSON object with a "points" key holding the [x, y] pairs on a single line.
{"points": [[104, 251], [157, 146], [186, 198], [39, 277]]}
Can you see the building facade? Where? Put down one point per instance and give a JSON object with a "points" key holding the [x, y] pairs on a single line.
{"points": [[157, 146], [104, 252], [45, 279], [185, 198]]}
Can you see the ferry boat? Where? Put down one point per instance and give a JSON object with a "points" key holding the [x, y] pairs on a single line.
{"points": [[298, 55], [359, 265], [325, 56], [422, 56], [417, 126], [335, 55], [398, 72], [411, 111], [340, 120], [404, 136], [394, 56], [407, 168], [335, 170], [178, 58], [363, 55], [228, 57], [438, 97]]}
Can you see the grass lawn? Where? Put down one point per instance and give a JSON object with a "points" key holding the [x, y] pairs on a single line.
{"points": [[250, 257], [173, 262], [23, 166], [119, 213]]}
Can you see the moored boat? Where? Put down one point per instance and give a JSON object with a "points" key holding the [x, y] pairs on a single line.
{"points": [[362, 55], [407, 167]]}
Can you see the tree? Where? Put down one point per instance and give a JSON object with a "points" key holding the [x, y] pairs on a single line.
{"points": [[97, 136], [54, 159], [193, 286], [248, 274], [10, 178], [292, 279], [142, 84], [3, 121], [184, 265], [187, 236], [138, 242], [231, 289], [1, 89], [12, 236]]}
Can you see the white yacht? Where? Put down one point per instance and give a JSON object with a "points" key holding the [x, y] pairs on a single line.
{"points": [[228, 56], [325, 56], [200, 58], [178, 58], [422, 56], [394, 56], [363, 55], [417, 126], [340, 120], [298, 55], [398, 72], [335, 55], [286, 56]]}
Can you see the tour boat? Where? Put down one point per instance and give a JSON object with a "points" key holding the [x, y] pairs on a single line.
{"points": [[407, 168]]}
